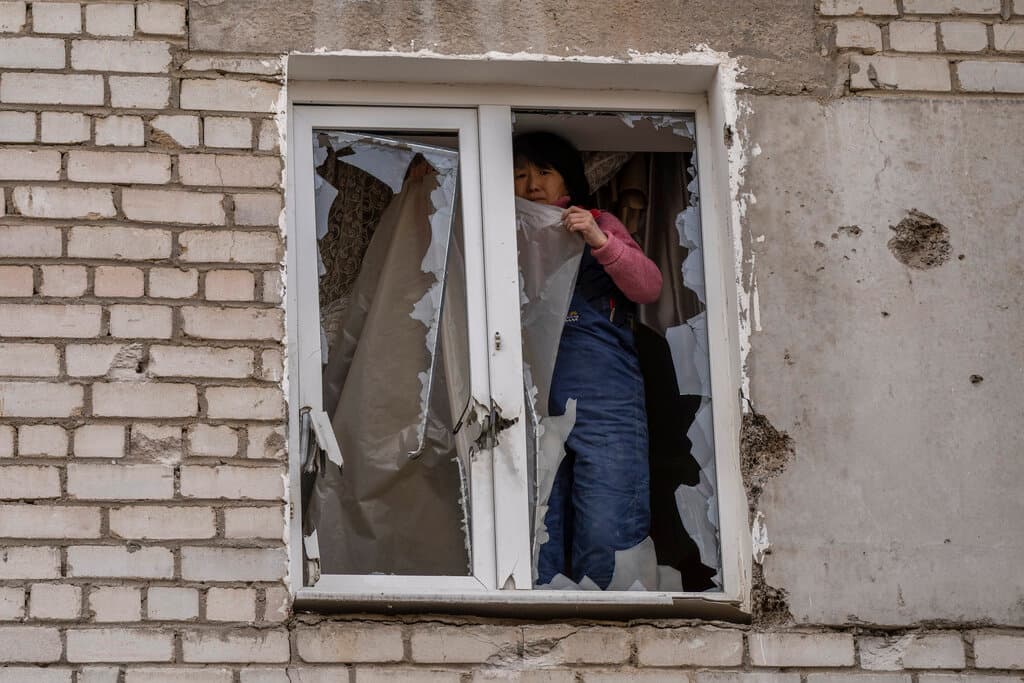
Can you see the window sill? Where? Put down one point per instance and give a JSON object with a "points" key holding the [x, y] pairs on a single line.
{"points": [[533, 604]]}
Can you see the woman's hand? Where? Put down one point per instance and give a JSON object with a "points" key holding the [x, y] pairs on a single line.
{"points": [[582, 222]]}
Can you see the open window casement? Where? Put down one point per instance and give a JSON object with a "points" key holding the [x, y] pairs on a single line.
{"points": [[426, 304]]}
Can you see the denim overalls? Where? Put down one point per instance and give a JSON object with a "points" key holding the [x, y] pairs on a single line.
{"points": [[600, 498]]}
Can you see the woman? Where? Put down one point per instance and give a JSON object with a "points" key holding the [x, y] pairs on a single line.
{"points": [[600, 499]]}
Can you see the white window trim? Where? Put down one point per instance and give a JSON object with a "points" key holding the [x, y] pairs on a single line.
{"points": [[383, 86]]}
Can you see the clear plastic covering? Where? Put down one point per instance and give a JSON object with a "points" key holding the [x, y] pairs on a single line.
{"points": [[396, 373]]}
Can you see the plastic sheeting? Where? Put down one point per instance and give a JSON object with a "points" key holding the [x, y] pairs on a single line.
{"points": [[395, 381]]}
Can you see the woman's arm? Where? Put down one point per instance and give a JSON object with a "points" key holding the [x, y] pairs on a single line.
{"points": [[629, 268]]}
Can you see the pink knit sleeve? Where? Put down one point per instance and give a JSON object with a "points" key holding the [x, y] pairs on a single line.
{"points": [[636, 275]]}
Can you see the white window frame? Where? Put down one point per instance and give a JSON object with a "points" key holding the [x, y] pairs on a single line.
{"points": [[502, 567]]}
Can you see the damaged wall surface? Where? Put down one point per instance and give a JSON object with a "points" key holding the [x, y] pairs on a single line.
{"points": [[144, 508]]}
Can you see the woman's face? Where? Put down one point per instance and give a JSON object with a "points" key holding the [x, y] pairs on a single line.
{"points": [[542, 185]]}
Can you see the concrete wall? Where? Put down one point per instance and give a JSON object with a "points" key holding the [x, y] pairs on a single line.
{"points": [[141, 443]]}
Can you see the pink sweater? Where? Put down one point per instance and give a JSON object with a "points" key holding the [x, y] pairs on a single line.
{"points": [[636, 275]]}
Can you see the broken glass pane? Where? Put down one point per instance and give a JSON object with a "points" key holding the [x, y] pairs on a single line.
{"points": [[641, 168], [395, 354]]}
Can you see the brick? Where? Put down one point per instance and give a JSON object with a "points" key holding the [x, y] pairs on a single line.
{"points": [[15, 281], [115, 603], [998, 651], [42, 440], [12, 17], [40, 399], [238, 65], [1008, 37], [29, 164], [277, 606], [172, 604], [225, 94], [56, 17], [233, 482], [463, 645], [120, 482], [231, 604], [480, 676], [120, 131], [183, 675], [17, 126], [119, 281], [173, 283], [265, 442], [858, 34], [261, 522], [28, 360], [902, 73], [141, 321], [49, 320], [95, 360], [113, 242], [210, 170], [175, 131], [1007, 77], [211, 441], [161, 18], [99, 441], [837, 677], [951, 6], [29, 644], [55, 601], [151, 399], [63, 202], [245, 403], [912, 36], [110, 19], [134, 56], [230, 247], [6, 441], [257, 209], [173, 206], [139, 92], [200, 361], [272, 364], [151, 522], [870, 7], [35, 562], [29, 240], [268, 136], [69, 281], [156, 442], [964, 36], [62, 127], [12, 603], [99, 674], [120, 562], [48, 521], [119, 645], [349, 642], [37, 88], [233, 564], [119, 167], [746, 677], [636, 676], [913, 651], [227, 132], [31, 53], [243, 646], [801, 649], [571, 645], [966, 677], [18, 674], [231, 323], [29, 482], [381, 674], [226, 285]]}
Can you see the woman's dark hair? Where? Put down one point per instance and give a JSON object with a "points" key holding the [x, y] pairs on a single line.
{"points": [[547, 150]]}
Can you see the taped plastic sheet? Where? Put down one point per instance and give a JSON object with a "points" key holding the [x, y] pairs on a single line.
{"points": [[396, 380]]}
